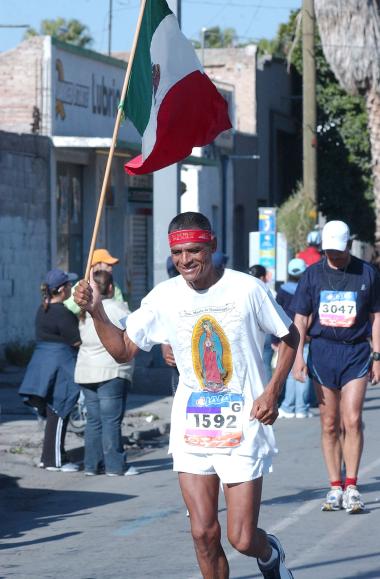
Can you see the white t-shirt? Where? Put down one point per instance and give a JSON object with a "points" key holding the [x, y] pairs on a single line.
{"points": [[94, 363], [217, 336]]}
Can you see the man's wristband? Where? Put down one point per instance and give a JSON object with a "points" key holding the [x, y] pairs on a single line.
{"points": [[376, 356]]}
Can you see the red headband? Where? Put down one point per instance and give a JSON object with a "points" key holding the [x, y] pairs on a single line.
{"points": [[190, 236]]}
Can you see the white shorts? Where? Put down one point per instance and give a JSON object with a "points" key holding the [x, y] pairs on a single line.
{"points": [[230, 468]]}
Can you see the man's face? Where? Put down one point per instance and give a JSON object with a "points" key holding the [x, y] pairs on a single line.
{"points": [[194, 262], [102, 266], [338, 259]]}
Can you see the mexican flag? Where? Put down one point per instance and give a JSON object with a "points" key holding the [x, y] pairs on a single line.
{"points": [[170, 100]]}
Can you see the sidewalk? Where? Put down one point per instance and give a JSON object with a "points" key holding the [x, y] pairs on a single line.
{"points": [[146, 422]]}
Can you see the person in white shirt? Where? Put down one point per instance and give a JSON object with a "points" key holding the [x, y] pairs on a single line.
{"points": [[105, 384], [216, 323]]}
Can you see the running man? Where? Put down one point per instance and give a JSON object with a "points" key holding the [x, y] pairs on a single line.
{"points": [[342, 294], [216, 322]]}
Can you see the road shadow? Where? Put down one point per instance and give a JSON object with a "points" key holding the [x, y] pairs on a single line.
{"points": [[318, 568], [318, 493], [373, 574], [26, 509], [154, 465]]}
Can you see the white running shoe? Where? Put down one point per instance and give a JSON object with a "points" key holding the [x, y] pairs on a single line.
{"points": [[307, 414], [283, 414], [334, 500], [279, 569], [352, 501], [67, 467], [70, 467], [131, 471]]}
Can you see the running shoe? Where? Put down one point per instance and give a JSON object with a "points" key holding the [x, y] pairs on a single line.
{"points": [[70, 467], [67, 467], [279, 569], [131, 471], [307, 414], [352, 501], [334, 499], [283, 414]]}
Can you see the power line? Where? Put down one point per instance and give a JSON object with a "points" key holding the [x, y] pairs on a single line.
{"points": [[14, 26], [255, 13]]}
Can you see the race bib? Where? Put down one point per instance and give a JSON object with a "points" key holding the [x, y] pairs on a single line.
{"points": [[214, 420], [337, 308]]}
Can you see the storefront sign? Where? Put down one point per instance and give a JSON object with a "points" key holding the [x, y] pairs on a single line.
{"points": [[267, 247], [86, 92]]}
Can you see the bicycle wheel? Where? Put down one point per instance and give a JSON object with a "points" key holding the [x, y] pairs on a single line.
{"points": [[77, 419]]}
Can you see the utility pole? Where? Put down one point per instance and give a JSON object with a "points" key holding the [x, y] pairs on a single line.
{"points": [[309, 101], [203, 34], [110, 28]]}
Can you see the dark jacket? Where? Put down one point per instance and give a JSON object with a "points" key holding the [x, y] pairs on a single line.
{"points": [[50, 376], [285, 297]]}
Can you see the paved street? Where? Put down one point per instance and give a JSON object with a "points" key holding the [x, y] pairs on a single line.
{"points": [[65, 524]]}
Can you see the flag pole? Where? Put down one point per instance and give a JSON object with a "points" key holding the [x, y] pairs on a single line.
{"points": [[113, 143]]}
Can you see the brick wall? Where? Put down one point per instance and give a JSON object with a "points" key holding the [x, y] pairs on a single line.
{"points": [[24, 231], [21, 86]]}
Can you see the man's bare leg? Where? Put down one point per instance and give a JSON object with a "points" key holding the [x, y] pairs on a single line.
{"points": [[243, 507], [200, 493], [329, 406], [351, 407]]}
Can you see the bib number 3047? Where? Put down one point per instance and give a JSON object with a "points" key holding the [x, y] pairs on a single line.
{"points": [[337, 308], [214, 420]]}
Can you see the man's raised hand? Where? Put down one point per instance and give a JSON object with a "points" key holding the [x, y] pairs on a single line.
{"points": [[87, 295]]}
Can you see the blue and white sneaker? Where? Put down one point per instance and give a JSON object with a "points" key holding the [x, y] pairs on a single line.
{"points": [[279, 569]]}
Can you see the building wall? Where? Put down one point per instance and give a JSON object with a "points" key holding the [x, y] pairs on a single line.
{"points": [[247, 196], [203, 193], [21, 86], [236, 69], [24, 231], [279, 145]]}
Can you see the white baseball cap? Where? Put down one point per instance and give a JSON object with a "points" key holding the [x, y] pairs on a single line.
{"points": [[335, 235]]}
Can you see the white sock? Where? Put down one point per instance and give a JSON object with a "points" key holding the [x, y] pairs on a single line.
{"points": [[271, 561]]}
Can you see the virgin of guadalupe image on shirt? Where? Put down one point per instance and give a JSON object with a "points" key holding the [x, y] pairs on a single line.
{"points": [[211, 355]]}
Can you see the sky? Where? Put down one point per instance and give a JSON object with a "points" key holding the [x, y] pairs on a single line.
{"points": [[252, 19]]}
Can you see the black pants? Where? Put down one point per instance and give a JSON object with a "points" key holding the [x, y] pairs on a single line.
{"points": [[53, 450]]}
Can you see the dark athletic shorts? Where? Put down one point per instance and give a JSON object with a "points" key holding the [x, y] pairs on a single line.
{"points": [[334, 364]]}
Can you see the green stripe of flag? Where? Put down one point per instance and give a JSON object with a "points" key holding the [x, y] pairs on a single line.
{"points": [[139, 96]]}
